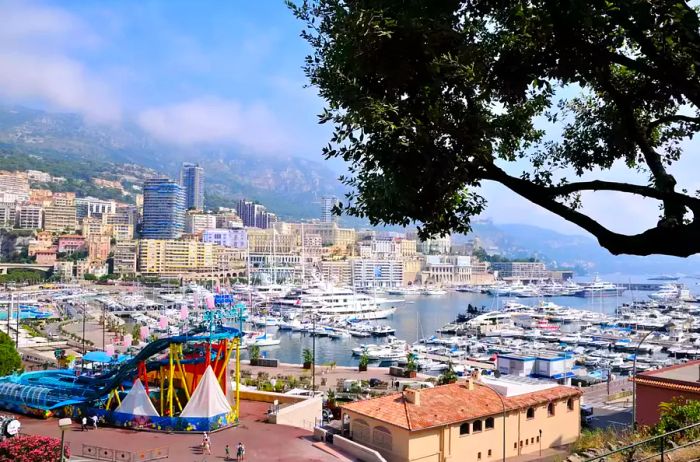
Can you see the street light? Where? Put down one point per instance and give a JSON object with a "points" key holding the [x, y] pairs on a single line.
{"points": [[634, 370], [63, 424], [503, 403]]}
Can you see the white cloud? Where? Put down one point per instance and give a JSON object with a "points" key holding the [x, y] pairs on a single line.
{"points": [[213, 120], [36, 62]]}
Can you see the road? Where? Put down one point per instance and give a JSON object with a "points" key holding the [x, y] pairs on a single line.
{"points": [[618, 414]]}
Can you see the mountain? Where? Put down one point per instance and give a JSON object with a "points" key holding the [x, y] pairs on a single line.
{"points": [[290, 186], [579, 252]]}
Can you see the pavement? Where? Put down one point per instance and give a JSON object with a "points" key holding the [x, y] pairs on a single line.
{"points": [[608, 413], [263, 441]]}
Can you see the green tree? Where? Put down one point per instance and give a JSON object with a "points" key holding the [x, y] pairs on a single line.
{"points": [[430, 99], [677, 414], [448, 376], [90, 277], [10, 360]]}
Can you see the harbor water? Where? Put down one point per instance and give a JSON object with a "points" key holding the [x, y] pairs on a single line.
{"points": [[418, 317]]}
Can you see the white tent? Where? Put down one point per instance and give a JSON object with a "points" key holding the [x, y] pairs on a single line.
{"points": [[208, 400], [137, 402]]}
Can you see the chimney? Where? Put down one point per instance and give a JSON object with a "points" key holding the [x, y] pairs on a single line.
{"points": [[412, 396]]}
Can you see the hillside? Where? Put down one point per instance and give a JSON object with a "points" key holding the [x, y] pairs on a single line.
{"points": [[289, 186]]}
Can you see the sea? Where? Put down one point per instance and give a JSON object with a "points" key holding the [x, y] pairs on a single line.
{"points": [[420, 316]]}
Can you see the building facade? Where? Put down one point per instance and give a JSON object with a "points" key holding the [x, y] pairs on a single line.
{"points": [[369, 274], [93, 207], [447, 269], [98, 247], [15, 185], [521, 270], [192, 180], [327, 204], [196, 221], [125, 257], [232, 238], [163, 209], [61, 215], [8, 214], [255, 215], [175, 257], [70, 243], [465, 421], [681, 381]]}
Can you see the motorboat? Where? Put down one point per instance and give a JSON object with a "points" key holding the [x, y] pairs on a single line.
{"points": [[433, 292]]}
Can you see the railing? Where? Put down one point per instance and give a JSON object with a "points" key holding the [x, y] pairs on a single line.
{"points": [[660, 441], [117, 455]]}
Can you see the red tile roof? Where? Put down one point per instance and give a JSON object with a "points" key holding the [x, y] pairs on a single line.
{"points": [[450, 404]]}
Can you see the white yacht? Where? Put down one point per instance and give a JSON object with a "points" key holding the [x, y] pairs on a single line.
{"points": [[598, 288], [665, 293], [432, 292], [328, 300]]}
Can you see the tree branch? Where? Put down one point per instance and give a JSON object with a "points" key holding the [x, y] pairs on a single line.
{"points": [[669, 119], [680, 240]]}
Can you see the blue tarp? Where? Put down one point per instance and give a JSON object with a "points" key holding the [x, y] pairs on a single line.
{"points": [[102, 357]]}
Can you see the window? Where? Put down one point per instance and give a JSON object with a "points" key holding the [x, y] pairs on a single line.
{"points": [[532, 440], [382, 437], [515, 445], [550, 409], [478, 456], [464, 429], [538, 439], [476, 426], [489, 423], [570, 404], [489, 454], [531, 413], [527, 442], [360, 430]]}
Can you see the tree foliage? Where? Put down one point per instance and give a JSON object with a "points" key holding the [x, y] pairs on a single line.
{"points": [[10, 360], [677, 414], [429, 99]]}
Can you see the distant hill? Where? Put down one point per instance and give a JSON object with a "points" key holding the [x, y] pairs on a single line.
{"points": [[289, 186], [579, 252]]}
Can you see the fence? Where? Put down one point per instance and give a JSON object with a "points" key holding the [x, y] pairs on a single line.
{"points": [[117, 455], [664, 445]]}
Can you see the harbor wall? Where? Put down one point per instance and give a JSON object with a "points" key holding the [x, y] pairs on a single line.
{"points": [[303, 414]]}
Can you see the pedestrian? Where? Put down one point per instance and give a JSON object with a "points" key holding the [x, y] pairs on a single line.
{"points": [[227, 451], [205, 439], [94, 422], [207, 447], [240, 452], [83, 424]]}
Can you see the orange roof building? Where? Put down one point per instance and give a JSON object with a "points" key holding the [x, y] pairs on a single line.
{"points": [[465, 421]]}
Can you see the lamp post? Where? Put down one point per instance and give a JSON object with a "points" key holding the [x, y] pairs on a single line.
{"points": [[634, 370], [63, 424], [84, 315], [313, 354], [503, 403]]}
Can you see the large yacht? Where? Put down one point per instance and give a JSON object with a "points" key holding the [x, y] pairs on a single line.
{"points": [[328, 300], [598, 288]]}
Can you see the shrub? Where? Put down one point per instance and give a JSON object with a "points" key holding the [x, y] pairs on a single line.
{"points": [[31, 448]]}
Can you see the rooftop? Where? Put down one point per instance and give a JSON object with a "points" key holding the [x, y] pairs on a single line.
{"points": [[451, 404], [684, 374]]}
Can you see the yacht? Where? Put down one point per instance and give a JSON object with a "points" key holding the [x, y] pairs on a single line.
{"points": [[665, 293], [431, 292], [598, 288], [327, 300]]}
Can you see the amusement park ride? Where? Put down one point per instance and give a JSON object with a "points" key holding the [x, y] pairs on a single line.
{"points": [[179, 383]]}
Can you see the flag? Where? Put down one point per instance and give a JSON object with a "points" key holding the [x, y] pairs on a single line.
{"points": [[163, 322], [377, 272]]}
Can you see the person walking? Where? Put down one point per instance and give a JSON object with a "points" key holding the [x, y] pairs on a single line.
{"points": [[227, 451], [83, 424], [240, 452], [207, 447], [94, 422]]}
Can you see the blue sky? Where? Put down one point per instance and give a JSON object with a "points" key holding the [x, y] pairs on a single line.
{"points": [[192, 72]]}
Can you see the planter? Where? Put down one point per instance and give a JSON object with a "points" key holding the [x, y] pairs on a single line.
{"points": [[307, 365], [362, 367], [410, 374]]}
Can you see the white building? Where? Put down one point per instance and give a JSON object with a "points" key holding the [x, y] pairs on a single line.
{"points": [[15, 184], [447, 269], [367, 274], [197, 222], [327, 204], [30, 217], [7, 214], [554, 366], [232, 238], [92, 206]]}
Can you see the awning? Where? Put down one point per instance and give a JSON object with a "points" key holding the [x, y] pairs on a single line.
{"points": [[102, 357]]}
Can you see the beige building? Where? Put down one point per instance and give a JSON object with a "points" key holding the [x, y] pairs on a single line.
{"points": [[447, 269], [121, 231], [465, 421], [15, 184], [181, 258], [92, 225], [8, 211], [332, 235], [338, 271], [61, 215], [98, 247]]}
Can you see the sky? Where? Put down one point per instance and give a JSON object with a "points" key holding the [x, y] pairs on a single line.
{"points": [[190, 72]]}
